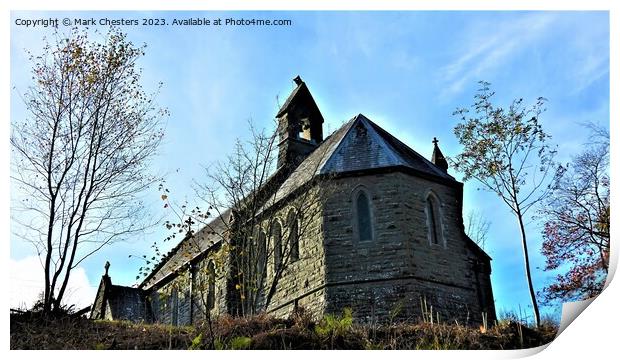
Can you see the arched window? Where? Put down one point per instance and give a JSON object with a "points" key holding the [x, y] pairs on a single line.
{"points": [[433, 220], [276, 237], [293, 234], [210, 285], [363, 216]]}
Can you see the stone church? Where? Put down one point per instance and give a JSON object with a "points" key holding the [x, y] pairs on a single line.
{"points": [[383, 235]]}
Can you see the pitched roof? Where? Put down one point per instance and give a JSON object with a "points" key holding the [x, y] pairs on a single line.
{"points": [[122, 302], [188, 249], [358, 145], [301, 94], [368, 146], [290, 98]]}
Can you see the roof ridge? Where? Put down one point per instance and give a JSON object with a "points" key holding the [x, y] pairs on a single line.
{"points": [[325, 150], [385, 133], [350, 124], [371, 125]]}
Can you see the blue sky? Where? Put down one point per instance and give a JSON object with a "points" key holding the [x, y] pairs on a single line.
{"points": [[406, 71]]}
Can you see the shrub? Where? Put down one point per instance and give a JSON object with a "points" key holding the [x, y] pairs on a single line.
{"points": [[240, 343], [196, 343], [333, 325]]}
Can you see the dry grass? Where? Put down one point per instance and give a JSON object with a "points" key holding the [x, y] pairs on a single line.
{"points": [[30, 331]]}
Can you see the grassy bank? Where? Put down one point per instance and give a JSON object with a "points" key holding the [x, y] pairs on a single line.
{"points": [[30, 331]]}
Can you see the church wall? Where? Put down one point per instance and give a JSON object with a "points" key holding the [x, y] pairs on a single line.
{"points": [[201, 287], [98, 311], [302, 280], [170, 301], [386, 279], [486, 292], [399, 266], [127, 303], [410, 300]]}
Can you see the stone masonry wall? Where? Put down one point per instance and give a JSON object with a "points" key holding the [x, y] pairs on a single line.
{"points": [[399, 268], [303, 279], [201, 285], [300, 284], [398, 275], [127, 303], [182, 300], [170, 301]]}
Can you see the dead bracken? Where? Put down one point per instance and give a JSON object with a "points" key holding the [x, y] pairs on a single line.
{"points": [[30, 331]]}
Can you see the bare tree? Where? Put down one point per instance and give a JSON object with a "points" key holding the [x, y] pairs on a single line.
{"points": [[241, 184], [81, 156], [508, 152], [576, 232], [259, 224], [477, 228], [249, 184]]}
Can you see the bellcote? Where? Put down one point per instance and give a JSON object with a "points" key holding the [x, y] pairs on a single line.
{"points": [[300, 125]]}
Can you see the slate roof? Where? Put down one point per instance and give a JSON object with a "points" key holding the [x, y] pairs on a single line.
{"points": [[189, 249], [358, 145], [367, 146], [127, 303], [288, 101], [301, 93]]}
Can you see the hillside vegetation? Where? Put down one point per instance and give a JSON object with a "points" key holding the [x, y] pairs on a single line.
{"points": [[31, 331]]}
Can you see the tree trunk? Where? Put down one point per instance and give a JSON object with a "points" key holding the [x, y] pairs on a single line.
{"points": [[528, 273]]}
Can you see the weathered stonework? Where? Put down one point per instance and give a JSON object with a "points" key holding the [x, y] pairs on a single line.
{"points": [[300, 280], [184, 298], [115, 302], [400, 268], [380, 231]]}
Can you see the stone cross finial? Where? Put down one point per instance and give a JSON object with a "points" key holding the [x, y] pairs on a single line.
{"points": [[438, 158], [106, 266]]}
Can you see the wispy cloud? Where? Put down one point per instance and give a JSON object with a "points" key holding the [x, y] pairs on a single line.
{"points": [[489, 46], [593, 60]]}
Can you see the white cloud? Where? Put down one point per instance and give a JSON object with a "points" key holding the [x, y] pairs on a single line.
{"points": [[486, 50], [27, 282]]}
